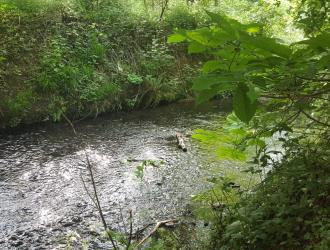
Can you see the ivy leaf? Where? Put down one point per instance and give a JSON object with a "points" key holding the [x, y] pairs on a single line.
{"points": [[244, 107]]}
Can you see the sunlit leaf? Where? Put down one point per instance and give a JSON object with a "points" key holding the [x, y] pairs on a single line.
{"points": [[244, 107], [253, 30], [267, 44], [230, 153], [176, 38]]}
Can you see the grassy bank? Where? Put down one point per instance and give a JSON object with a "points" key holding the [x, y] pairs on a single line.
{"points": [[80, 58], [77, 60]]}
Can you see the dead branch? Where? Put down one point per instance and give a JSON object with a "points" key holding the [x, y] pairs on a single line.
{"points": [[130, 236], [180, 141], [158, 224], [97, 202], [69, 122], [315, 120]]}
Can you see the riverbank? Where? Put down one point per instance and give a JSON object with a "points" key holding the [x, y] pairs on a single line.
{"points": [[61, 62]]}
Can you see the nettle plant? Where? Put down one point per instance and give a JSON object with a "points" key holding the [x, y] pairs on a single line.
{"points": [[272, 83]]}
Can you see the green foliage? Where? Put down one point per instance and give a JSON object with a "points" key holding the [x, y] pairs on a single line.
{"points": [[30, 6], [73, 57], [288, 209], [313, 15], [21, 102], [244, 59], [135, 79], [139, 172], [164, 240], [245, 106], [69, 72], [273, 84], [140, 169], [181, 17], [20, 106]]}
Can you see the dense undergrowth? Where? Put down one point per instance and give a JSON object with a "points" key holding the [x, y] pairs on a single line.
{"points": [[76, 60], [79, 58], [289, 209]]}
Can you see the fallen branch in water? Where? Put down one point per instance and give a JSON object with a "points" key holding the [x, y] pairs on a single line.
{"points": [[180, 141], [158, 225]]}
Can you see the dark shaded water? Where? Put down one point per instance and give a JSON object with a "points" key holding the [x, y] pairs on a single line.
{"points": [[42, 198]]}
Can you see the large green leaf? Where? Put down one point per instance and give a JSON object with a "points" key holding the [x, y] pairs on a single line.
{"points": [[207, 81], [213, 65], [201, 36], [244, 107], [322, 40], [207, 94], [230, 153], [227, 24], [267, 44], [195, 48], [176, 38]]}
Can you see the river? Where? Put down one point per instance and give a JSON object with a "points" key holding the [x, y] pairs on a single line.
{"points": [[42, 196]]}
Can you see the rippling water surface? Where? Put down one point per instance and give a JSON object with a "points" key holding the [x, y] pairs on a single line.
{"points": [[42, 196]]}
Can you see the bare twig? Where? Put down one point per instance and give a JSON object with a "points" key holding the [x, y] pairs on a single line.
{"points": [[233, 59], [122, 218], [86, 190], [130, 236], [97, 201], [293, 117], [70, 123], [313, 79], [140, 231], [315, 120], [275, 97]]}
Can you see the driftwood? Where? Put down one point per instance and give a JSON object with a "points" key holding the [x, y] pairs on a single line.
{"points": [[159, 224], [180, 141]]}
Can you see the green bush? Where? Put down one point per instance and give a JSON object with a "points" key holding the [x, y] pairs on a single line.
{"points": [[19, 106], [84, 57], [180, 17], [289, 209]]}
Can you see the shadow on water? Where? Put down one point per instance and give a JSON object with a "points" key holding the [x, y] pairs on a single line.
{"points": [[41, 191]]}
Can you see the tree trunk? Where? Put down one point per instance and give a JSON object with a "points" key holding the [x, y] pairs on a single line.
{"points": [[164, 6]]}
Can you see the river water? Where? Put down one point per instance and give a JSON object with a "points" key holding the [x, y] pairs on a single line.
{"points": [[43, 201]]}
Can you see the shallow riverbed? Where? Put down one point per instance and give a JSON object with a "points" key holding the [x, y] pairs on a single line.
{"points": [[42, 196]]}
